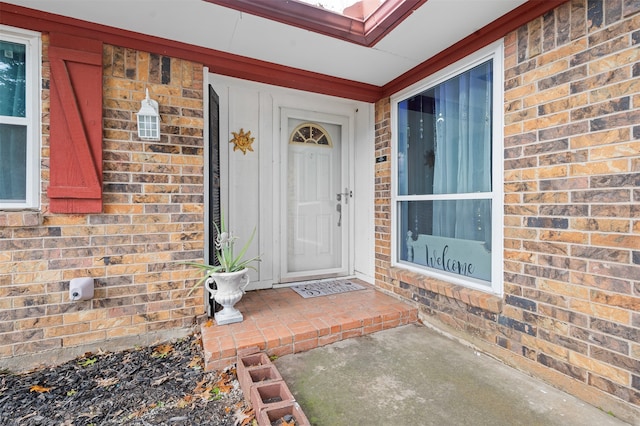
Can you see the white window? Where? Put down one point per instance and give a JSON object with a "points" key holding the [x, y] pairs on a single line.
{"points": [[19, 118], [447, 179]]}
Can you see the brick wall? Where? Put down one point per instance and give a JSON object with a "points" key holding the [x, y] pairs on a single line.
{"points": [[153, 217], [571, 304]]}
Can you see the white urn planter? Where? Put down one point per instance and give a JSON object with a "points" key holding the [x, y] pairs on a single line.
{"points": [[230, 288], [231, 274]]}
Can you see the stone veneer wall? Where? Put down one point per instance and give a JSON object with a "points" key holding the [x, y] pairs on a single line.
{"points": [[153, 216], [571, 305]]}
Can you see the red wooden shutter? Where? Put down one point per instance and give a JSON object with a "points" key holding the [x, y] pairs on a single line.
{"points": [[75, 133]]}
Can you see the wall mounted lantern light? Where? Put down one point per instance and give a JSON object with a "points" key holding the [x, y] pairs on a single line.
{"points": [[149, 120]]}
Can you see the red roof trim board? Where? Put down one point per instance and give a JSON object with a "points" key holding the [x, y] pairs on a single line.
{"points": [[389, 15], [218, 62], [267, 72], [366, 32]]}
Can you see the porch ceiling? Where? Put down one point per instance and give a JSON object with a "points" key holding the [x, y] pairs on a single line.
{"points": [[434, 26]]}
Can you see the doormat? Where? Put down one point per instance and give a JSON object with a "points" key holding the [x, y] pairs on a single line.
{"points": [[325, 288]]}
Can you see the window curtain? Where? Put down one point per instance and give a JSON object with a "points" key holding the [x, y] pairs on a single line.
{"points": [[463, 154], [13, 138]]}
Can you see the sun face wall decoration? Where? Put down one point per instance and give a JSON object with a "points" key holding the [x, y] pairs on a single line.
{"points": [[242, 141]]}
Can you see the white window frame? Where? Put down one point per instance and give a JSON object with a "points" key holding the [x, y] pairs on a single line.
{"points": [[33, 116], [494, 52]]}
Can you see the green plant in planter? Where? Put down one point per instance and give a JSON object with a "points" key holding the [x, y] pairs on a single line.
{"points": [[224, 252]]}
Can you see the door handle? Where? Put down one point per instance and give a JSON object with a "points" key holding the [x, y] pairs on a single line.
{"points": [[339, 210]]}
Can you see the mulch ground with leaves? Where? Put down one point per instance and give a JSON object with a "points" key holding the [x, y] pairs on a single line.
{"points": [[163, 384]]}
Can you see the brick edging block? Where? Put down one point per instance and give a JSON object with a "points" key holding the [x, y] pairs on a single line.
{"points": [[247, 361], [255, 376], [261, 381], [270, 394], [278, 411]]}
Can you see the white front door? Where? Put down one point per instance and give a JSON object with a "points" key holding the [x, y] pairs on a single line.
{"points": [[316, 195]]}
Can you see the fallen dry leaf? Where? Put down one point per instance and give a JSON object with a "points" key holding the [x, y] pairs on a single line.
{"points": [[107, 382], [39, 389], [162, 351], [223, 388], [243, 417], [199, 388], [202, 391], [209, 323], [223, 384], [185, 401], [161, 380], [196, 362]]}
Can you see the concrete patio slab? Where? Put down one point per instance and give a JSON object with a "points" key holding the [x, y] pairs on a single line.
{"points": [[411, 375]]}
